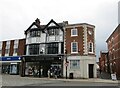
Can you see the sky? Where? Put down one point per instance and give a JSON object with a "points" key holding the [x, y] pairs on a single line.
{"points": [[17, 15]]}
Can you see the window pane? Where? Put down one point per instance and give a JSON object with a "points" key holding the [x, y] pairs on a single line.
{"points": [[0, 45], [73, 32], [74, 64], [74, 47], [90, 47], [34, 49], [52, 48], [35, 34]]}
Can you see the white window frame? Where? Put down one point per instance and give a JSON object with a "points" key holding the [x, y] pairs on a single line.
{"points": [[77, 62], [7, 47], [16, 42], [72, 47], [1, 47], [74, 29], [89, 47]]}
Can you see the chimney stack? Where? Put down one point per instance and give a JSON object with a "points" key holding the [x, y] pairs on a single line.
{"points": [[37, 21]]}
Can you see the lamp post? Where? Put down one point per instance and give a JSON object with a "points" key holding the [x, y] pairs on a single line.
{"points": [[66, 63]]}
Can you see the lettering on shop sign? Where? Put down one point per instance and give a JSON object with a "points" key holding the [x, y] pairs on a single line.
{"points": [[8, 58]]}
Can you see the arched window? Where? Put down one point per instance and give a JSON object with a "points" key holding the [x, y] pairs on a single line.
{"points": [[90, 47]]}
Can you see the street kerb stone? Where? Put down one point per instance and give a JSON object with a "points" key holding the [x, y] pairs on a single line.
{"points": [[118, 83], [0, 80], [59, 87]]}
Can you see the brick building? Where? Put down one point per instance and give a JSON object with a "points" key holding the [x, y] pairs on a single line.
{"points": [[70, 47], [104, 62], [10, 53], [113, 43], [80, 46]]}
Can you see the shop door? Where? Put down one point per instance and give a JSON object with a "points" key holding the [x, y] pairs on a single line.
{"points": [[13, 69], [91, 75]]}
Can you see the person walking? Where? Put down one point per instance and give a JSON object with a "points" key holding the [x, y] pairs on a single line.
{"points": [[55, 73], [33, 71], [49, 73]]}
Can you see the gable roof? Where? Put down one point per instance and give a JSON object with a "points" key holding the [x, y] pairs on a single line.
{"points": [[29, 28], [52, 21], [36, 23], [116, 29]]}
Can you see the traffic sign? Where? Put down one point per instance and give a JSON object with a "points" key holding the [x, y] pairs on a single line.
{"points": [[66, 64]]}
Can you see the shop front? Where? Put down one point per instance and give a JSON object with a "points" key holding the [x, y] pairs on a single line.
{"points": [[38, 65], [11, 65]]}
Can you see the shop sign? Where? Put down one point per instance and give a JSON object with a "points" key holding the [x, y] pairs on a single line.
{"points": [[12, 58]]}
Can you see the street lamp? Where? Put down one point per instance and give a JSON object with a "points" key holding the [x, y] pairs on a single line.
{"points": [[66, 63]]}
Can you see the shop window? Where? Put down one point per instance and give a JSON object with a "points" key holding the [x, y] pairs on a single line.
{"points": [[74, 64]]}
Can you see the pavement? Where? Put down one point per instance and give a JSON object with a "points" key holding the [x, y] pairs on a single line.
{"points": [[0, 80], [101, 78], [12, 80], [98, 80]]}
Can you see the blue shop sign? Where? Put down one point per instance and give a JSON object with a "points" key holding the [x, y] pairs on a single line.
{"points": [[11, 58]]}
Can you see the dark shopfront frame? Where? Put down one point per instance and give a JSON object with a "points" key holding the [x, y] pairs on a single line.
{"points": [[44, 60], [11, 64]]}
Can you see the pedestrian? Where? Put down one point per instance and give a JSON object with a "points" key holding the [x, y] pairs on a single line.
{"points": [[55, 73], [49, 73], [33, 70], [100, 71]]}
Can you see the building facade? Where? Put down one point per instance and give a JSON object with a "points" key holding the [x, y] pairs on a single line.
{"points": [[10, 54], [68, 47], [80, 47], [113, 44], [44, 49], [104, 61]]}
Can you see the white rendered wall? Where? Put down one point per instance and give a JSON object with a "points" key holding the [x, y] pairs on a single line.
{"points": [[83, 72], [41, 39]]}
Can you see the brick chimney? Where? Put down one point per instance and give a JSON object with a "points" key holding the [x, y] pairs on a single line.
{"points": [[37, 21]]}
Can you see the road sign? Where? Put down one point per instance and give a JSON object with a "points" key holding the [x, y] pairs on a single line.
{"points": [[113, 76], [66, 64]]}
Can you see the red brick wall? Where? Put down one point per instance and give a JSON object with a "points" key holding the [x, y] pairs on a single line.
{"points": [[3, 48], [90, 38], [70, 39], [11, 47], [102, 61], [21, 47], [115, 54]]}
